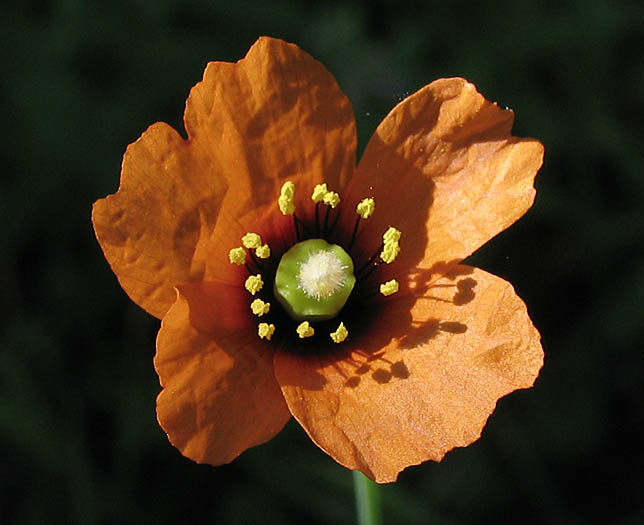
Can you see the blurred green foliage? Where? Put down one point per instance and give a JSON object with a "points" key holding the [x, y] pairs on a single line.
{"points": [[80, 80]]}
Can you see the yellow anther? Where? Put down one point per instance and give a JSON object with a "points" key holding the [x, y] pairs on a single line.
{"points": [[366, 207], [392, 234], [331, 198], [340, 334], [263, 251], [391, 248], [319, 192], [285, 201], [266, 331], [390, 251], [254, 284], [259, 307], [237, 255], [251, 240], [305, 330], [390, 287]]}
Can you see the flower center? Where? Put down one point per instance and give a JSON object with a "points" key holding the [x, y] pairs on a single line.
{"points": [[314, 280], [321, 275]]}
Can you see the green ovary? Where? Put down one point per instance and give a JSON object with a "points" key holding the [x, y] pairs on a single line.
{"points": [[314, 280]]}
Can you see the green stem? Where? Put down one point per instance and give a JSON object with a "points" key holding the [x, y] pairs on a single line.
{"points": [[367, 500]]}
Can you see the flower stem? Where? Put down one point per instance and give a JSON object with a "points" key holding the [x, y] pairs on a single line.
{"points": [[367, 500]]}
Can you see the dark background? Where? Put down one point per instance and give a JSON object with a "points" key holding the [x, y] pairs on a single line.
{"points": [[79, 442]]}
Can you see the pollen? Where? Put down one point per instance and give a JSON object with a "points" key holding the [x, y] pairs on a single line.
{"points": [[389, 288], [390, 252], [391, 248], [251, 240], [237, 255], [340, 334], [263, 251], [266, 331], [259, 307], [305, 330], [319, 192], [392, 234], [285, 201], [321, 275], [366, 207], [331, 198], [254, 284]]}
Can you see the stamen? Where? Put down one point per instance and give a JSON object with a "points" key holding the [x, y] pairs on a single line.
{"points": [[390, 252], [266, 331], [355, 230], [392, 234], [389, 288], [369, 262], [326, 221], [373, 267], [319, 192], [259, 307], [297, 223], [340, 334], [251, 240], [256, 262], [391, 248], [335, 222], [254, 284], [317, 219], [285, 201], [237, 255], [305, 330], [366, 207], [263, 251], [331, 198]]}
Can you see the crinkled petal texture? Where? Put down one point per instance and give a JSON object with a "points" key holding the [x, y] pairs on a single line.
{"points": [[445, 170], [464, 344], [219, 392], [277, 114], [154, 230]]}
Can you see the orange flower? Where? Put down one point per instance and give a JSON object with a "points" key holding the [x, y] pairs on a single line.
{"points": [[417, 367]]}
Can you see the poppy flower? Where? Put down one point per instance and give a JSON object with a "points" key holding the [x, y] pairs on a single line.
{"points": [[292, 282]]}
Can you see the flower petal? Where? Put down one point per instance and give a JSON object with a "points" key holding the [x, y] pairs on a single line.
{"points": [[277, 114], [436, 377], [219, 393], [153, 231], [445, 170]]}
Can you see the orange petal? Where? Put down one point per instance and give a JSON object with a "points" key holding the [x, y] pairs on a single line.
{"points": [[445, 170], [219, 393], [275, 115], [448, 357], [153, 231]]}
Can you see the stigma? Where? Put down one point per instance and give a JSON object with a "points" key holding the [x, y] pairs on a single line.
{"points": [[322, 275], [314, 280]]}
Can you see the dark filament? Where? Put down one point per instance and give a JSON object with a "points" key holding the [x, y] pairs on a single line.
{"points": [[369, 263], [326, 221], [355, 230], [317, 219], [335, 222], [297, 222]]}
